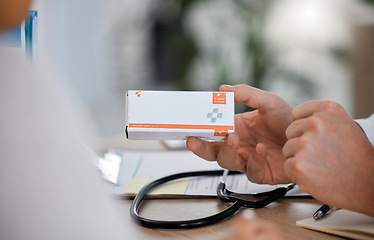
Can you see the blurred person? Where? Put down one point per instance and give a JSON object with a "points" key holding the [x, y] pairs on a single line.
{"points": [[317, 145], [248, 227], [49, 188]]}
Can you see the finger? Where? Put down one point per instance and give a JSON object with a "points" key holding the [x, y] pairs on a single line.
{"points": [[297, 128], [227, 154], [296, 169], [261, 153], [250, 96], [304, 110], [289, 169], [308, 109], [291, 147], [226, 88], [204, 149], [255, 168]]}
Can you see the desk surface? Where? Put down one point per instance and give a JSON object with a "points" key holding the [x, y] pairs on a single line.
{"points": [[284, 213]]}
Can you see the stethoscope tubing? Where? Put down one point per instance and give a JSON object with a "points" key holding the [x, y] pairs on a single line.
{"points": [[185, 224], [222, 194]]}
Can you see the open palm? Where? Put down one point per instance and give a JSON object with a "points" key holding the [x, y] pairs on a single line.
{"points": [[256, 147]]}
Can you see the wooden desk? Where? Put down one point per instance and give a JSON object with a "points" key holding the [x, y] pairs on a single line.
{"points": [[284, 213]]}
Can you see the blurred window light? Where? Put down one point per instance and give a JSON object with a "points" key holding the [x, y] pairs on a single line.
{"points": [[309, 22]]}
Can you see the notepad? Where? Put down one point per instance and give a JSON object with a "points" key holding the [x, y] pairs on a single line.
{"points": [[343, 223]]}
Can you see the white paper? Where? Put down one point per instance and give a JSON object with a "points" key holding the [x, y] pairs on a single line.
{"points": [[157, 164]]}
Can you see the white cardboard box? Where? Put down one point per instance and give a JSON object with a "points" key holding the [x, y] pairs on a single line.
{"points": [[177, 115]]}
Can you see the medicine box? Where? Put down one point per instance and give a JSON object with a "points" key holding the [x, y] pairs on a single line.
{"points": [[177, 115]]}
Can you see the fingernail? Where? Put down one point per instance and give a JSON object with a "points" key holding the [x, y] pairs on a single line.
{"points": [[229, 142], [258, 150], [248, 214]]}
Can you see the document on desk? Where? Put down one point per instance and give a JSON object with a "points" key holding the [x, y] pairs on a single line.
{"points": [[343, 223], [140, 167]]}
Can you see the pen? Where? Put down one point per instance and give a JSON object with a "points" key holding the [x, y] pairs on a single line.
{"points": [[321, 212]]}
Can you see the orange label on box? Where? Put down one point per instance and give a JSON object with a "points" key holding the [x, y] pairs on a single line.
{"points": [[218, 130], [219, 98], [221, 133]]}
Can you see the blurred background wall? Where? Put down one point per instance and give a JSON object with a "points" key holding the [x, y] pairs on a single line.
{"points": [[300, 49]]}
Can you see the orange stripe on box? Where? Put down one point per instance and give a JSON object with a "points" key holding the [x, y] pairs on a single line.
{"points": [[182, 126]]}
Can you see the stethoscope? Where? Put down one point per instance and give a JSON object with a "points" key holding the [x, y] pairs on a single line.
{"points": [[222, 193]]}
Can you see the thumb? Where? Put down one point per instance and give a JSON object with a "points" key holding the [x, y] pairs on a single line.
{"points": [[250, 96]]}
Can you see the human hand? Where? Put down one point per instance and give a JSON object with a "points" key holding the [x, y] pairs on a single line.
{"points": [[256, 147], [329, 156], [248, 227]]}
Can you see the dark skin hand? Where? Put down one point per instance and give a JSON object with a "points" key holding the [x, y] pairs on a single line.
{"points": [[256, 147]]}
